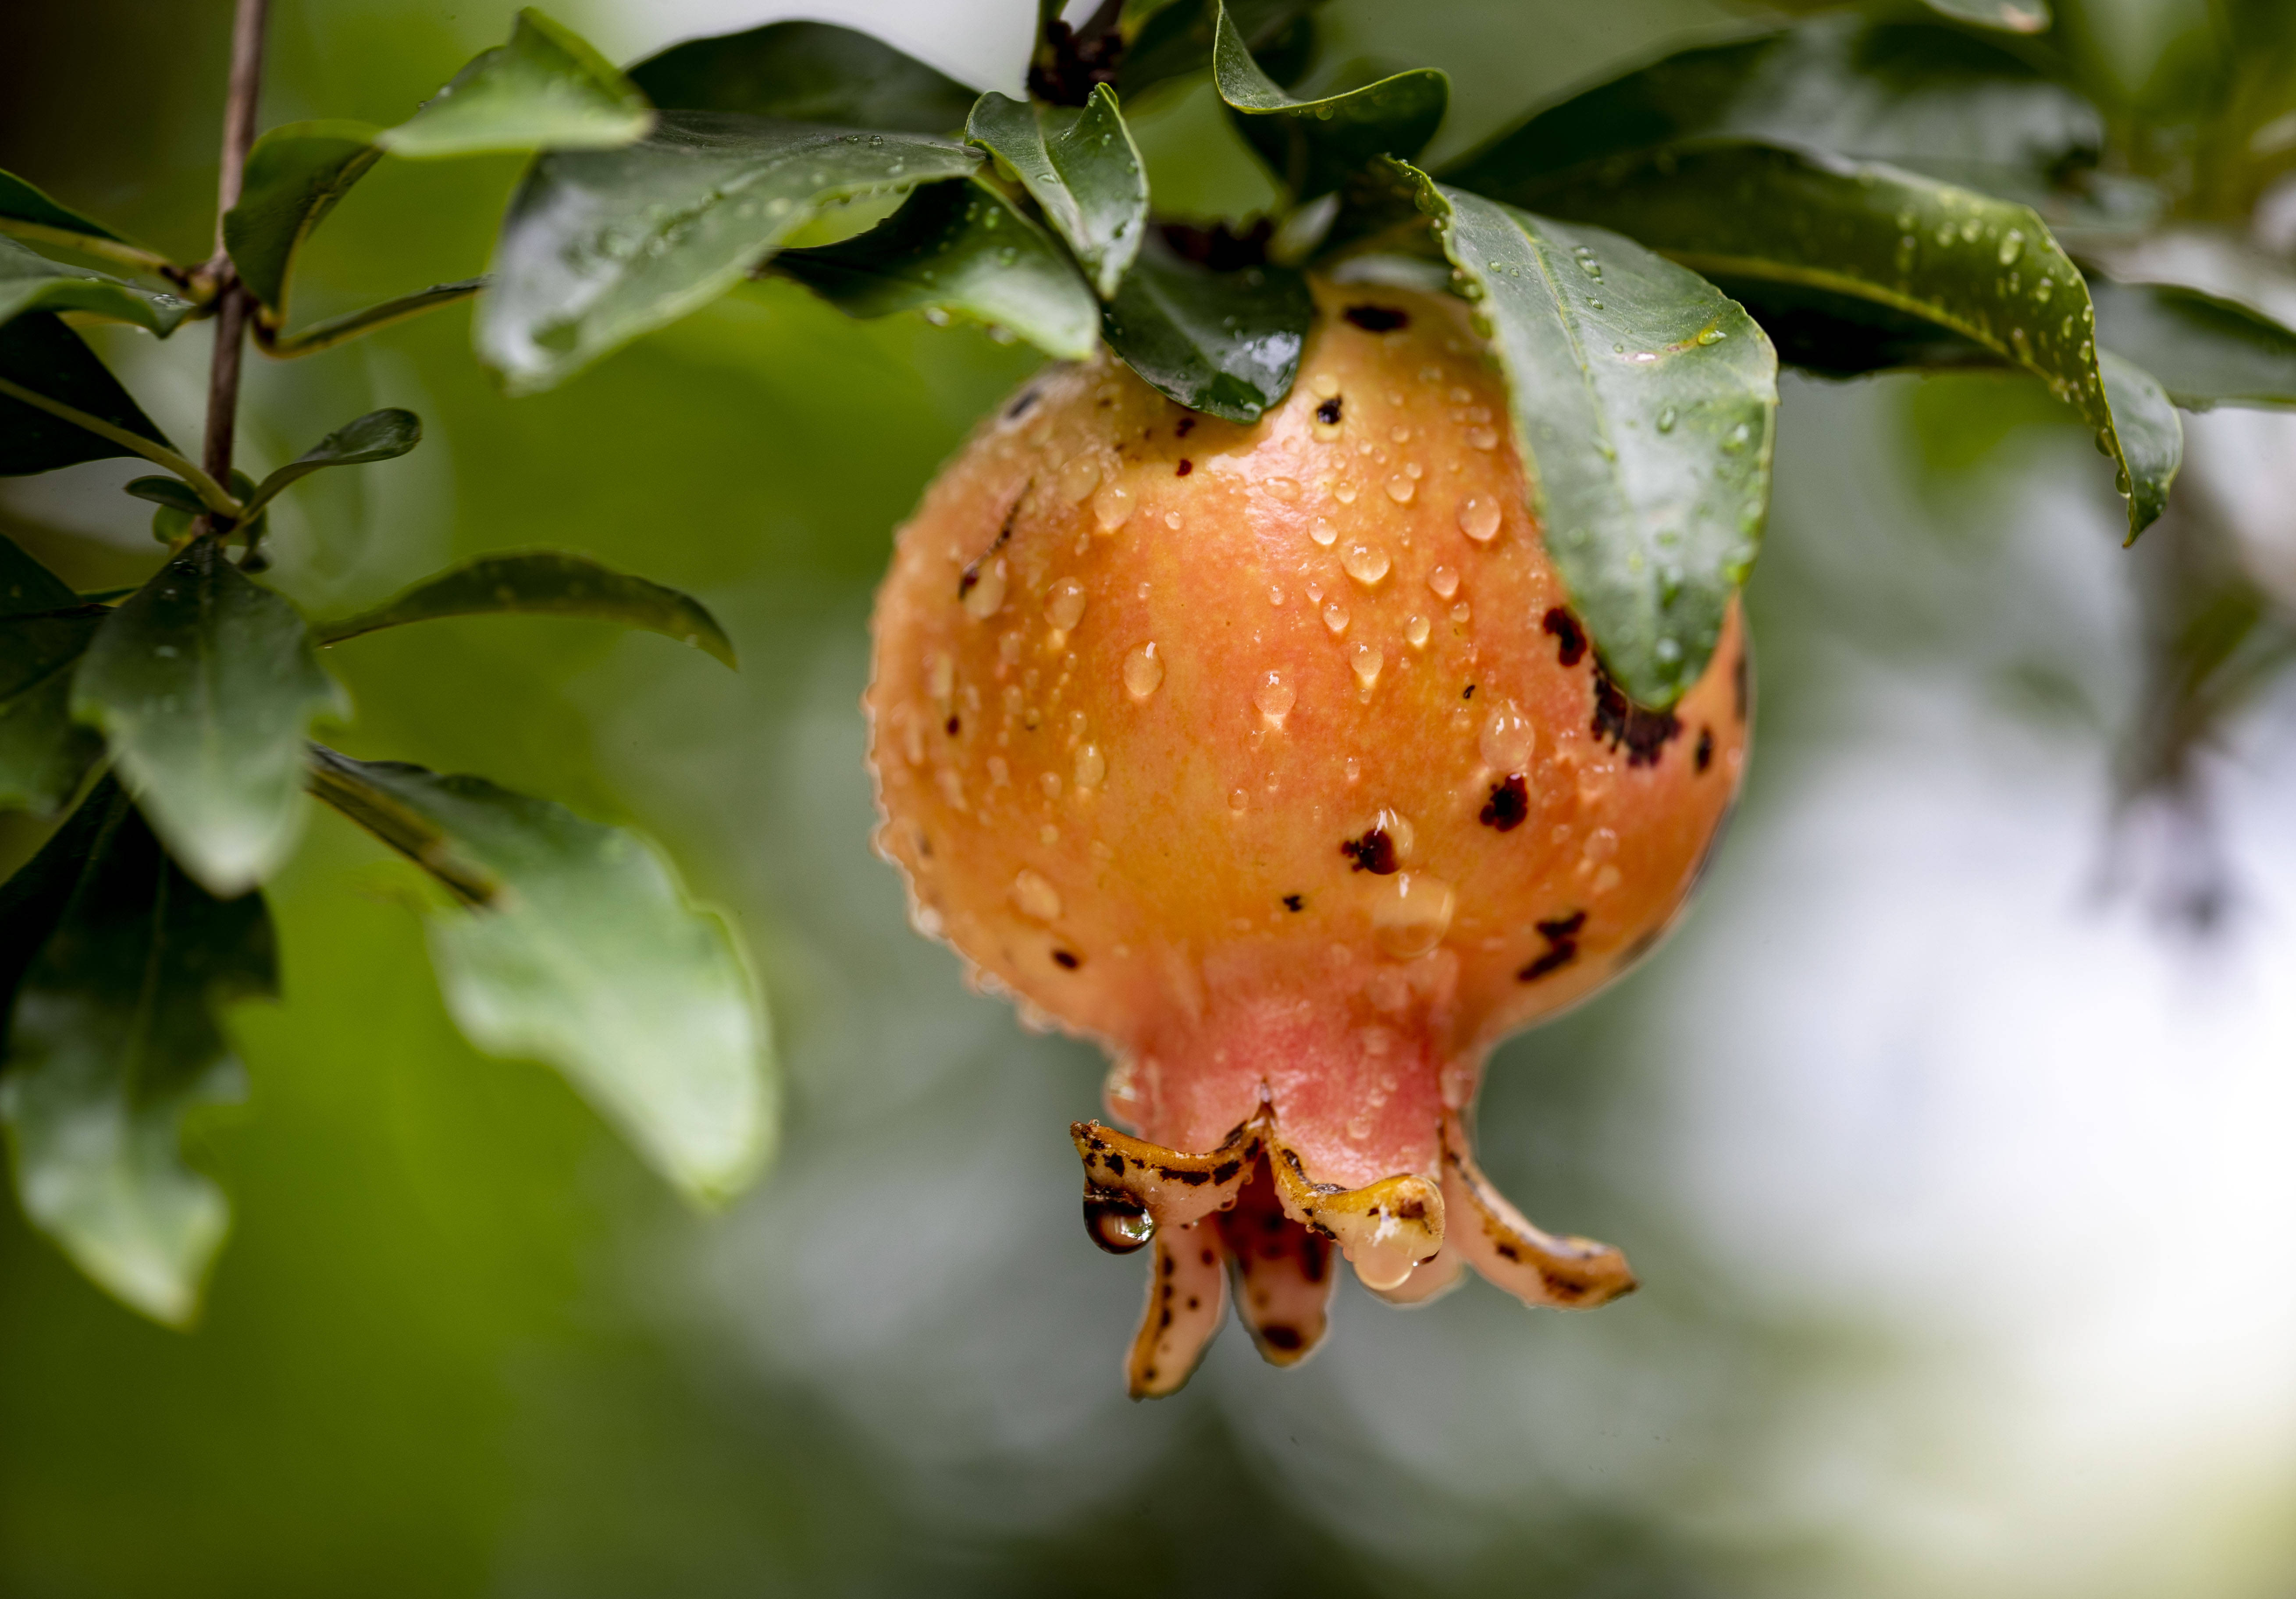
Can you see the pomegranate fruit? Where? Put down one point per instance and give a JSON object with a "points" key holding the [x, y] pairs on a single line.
{"points": [[1273, 757]]}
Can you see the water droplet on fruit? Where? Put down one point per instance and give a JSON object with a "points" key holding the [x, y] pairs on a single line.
{"points": [[1275, 697], [1335, 618], [1037, 898], [1237, 799], [1507, 738], [1050, 781], [1111, 507], [986, 596], [1483, 438], [1368, 661], [1415, 631], [1478, 519], [1079, 478], [1345, 494], [1172, 521], [1064, 605], [1116, 1221], [1282, 488], [1460, 613], [1410, 913], [1091, 767], [1444, 581], [1322, 532], [1365, 563], [1144, 673]]}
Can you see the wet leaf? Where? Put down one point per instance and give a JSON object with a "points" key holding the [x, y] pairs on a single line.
{"points": [[1313, 146], [601, 247], [1081, 167], [295, 176], [205, 686], [2204, 350], [1175, 40], [2010, 16], [575, 945], [1984, 269], [39, 353], [383, 435], [544, 583], [29, 282], [2151, 437], [960, 248], [1226, 343], [113, 1040], [806, 72], [546, 89], [44, 753], [1840, 336], [1936, 100], [1643, 401]]}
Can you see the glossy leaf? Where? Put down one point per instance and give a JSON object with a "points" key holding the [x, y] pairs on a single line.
{"points": [[575, 945], [39, 353], [1081, 167], [1643, 401], [1840, 336], [1313, 146], [43, 630], [20, 201], [1980, 267], [806, 72], [113, 1040], [959, 249], [546, 89], [544, 583], [295, 176], [205, 686], [31, 281], [1177, 40], [601, 247], [1226, 343], [172, 492], [354, 325], [1933, 99], [2205, 351], [2151, 435], [2010, 16], [383, 435]]}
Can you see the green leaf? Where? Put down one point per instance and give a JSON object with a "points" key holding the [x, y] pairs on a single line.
{"points": [[544, 583], [205, 685], [1839, 336], [113, 1041], [2010, 16], [1081, 167], [1984, 269], [1643, 401], [172, 492], [44, 753], [1226, 343], [960, 248], [20, 201], [295, 176], [383, 435], [1175, 40], [577, 945], [1933, 99], [601, 247], [1313, 146], [2151, 433], [806, 72], [2206, 351], [353, 324], [39, 353], [546, 89], [33, 283]]}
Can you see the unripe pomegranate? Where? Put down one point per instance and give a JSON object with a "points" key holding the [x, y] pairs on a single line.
{"points": [[1273, 757]]}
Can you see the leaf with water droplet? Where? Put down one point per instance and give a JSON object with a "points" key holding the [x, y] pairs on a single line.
{"points": [[1081, 167], [1226, 343], [1313, 146], [546, 89], [806, 72], [30, 283], [2205, 351]]}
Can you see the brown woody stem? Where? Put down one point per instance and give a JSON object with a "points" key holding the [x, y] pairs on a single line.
{"points": [[232, 305]]}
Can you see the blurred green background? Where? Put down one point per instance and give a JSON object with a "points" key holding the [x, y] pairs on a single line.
{"points": [[1955, 1171]]}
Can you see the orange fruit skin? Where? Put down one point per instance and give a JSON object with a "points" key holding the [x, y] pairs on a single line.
{"points": [[1173, 860]]}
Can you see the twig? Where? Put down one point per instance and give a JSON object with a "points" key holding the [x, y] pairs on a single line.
{"points": [[232, 303]]}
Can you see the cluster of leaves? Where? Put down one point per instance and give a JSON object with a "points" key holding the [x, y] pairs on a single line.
{"points": [[1847, 194]]}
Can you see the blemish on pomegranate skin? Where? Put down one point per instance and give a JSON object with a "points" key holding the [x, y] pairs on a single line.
{"points": [[1295, 902], [1468, 692], [1065, 958], [1509, 804], [1704, 758], [1377, 319], [1328, 412], [1374, 852], [1561, 936], [1020, 407], [954, 724], [1188, 426], [1570, 638], [1184, 468], [1286, 1339], [1644, 733]]}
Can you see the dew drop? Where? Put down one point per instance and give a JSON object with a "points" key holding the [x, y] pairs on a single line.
{"points": [[1237, 799], [1460, 613], [1079, 478], [1143, 673], [1335, 618], [1111, 507], [1172, 521], [1368, 661], [1345, 494], [1478, 519], [1711, 335], [1354, 768], [1444, 581], [1037, 898], [986, 597], [1275, 697], [1282, 488], [2012, 245], [1483, 438], [1064, 605], [1398, 435], [1365, 563], [1410, 913], [1666, 420], [1415, 631], [1050, 781], [1322, 532], [1507, 738], [1091, 767]]}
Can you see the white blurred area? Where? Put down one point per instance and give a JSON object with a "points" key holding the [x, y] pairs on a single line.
{"points": [[1961, 1181]]}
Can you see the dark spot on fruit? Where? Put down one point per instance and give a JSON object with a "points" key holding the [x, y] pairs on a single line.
{"points": [[1115, 1164], [1184, 468], [1065, 958], [1412, 1210], [1374, 852], [1645, 732], [1294, 902], [1328, 412], [1467, 693], [1561, 936], [954, 724], [1192, 1178], [1286, 1339], [1188, 426], [1377, 319], [971, 573], [1738, 683], [1226, 1170], [1019, 407], [1509, 1251], [1509, 804], [1194, 1302], [1570, 638], [1704, 758], [1560, 1287]]}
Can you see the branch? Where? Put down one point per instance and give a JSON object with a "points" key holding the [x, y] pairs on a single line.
{"points": [[212, 494], [233, 302]]}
